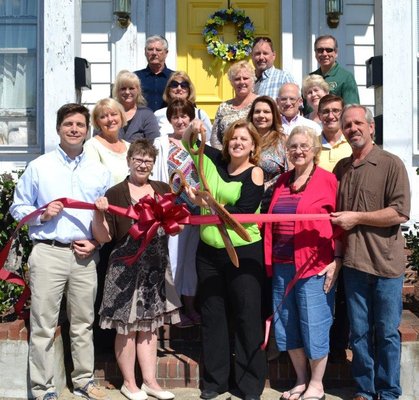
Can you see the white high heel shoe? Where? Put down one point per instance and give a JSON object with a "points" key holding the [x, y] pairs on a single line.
{"points": [[158, 394]]}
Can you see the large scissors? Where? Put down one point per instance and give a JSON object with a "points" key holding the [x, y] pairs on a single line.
{"points": [[215, 207]]}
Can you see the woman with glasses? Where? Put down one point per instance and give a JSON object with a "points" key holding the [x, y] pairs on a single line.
{"points": [[182, 248], [138, 298], [265, 118], [304, 260], [180, 87], [141, 122], [242, 77], [314, 88]]}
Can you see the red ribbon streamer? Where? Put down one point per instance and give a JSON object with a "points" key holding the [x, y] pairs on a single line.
{"points": [[149, 214]]}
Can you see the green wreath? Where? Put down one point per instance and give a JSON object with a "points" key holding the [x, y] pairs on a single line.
{"points": [[245, 35]]}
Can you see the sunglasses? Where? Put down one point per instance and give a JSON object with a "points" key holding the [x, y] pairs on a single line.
{"points": [[320, 50], [175, 84]]}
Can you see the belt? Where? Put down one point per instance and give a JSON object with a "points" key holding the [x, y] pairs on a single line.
{"points": [[55, 243]]}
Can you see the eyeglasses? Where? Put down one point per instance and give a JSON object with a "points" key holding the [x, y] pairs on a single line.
{"points": [[303, 147], [139, 161], [292, 100], [335, 111], [320, 50], [175, 84]]}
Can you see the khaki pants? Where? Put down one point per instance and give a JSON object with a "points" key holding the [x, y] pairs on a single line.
{"points": [[53, 272]]}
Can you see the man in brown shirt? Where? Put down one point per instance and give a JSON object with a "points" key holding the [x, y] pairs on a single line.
{"points": [[374, 199]]}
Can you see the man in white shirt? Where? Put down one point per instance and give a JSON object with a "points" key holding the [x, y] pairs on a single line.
{"points": [[64, 255], [290, 103]]}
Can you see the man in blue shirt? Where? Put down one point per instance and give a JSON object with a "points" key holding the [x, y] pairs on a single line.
{"points": [[154, 78], [64, 255]]}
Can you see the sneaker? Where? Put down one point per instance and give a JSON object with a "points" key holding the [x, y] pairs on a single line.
{"points": [[91, 391], [48, 396]]}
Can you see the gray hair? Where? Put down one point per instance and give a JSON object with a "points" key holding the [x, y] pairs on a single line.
{"points": [[157, 38]]}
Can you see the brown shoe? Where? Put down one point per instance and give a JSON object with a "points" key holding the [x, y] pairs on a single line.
{"points": [[359, 398]]}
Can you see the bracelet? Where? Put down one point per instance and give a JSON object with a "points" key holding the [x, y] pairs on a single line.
{"points": [[341, 257]]}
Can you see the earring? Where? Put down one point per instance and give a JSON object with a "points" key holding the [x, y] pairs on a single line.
{"points": [[251, 154]]}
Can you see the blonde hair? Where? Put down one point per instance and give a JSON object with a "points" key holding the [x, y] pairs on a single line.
{"points": [[236, 67], [107, 104], [182, 75], [314, 80], [128, 78], [312, 135]]}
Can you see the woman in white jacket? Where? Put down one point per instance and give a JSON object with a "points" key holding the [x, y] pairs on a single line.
{"points": [[182, 248]]}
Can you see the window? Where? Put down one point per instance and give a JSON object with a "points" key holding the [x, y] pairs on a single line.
{"points": [[18, 72]]}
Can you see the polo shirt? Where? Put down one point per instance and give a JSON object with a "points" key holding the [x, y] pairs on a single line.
{"points": [[330, 155], [341, 82], [379, 181], [153, 85], [271, 80]]}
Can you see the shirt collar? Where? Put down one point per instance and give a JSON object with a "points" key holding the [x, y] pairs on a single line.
{"points": [[66, 159], [286, 122]]}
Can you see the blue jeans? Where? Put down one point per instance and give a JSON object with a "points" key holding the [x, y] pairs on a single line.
{"points": [[374, 311], [303, 318]]}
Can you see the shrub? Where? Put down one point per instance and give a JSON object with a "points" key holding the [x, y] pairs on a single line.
{"points": [[21, 247]]}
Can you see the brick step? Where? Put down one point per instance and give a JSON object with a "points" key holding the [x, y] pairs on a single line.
{"points": [[178, 363], [179, 367]]}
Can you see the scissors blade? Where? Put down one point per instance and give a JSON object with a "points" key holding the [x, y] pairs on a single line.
{"points": [[226, 217], [231, 251]]}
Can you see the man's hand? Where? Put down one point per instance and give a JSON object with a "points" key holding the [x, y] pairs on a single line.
{"points": [[84, 248], [345, 219], [52, 210]]}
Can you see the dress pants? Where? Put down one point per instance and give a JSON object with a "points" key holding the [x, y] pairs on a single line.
{"points": [[231, 296], [53, 272]]}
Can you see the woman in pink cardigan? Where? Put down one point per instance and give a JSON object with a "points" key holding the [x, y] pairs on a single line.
{"points": [[305, 254]]}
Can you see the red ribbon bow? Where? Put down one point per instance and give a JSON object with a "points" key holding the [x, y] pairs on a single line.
{"points": [[150, 214]]}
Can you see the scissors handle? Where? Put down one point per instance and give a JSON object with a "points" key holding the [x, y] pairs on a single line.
{"points": [[177, 173]]}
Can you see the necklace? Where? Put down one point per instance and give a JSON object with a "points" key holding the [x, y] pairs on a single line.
{"points": [[291, 185]]}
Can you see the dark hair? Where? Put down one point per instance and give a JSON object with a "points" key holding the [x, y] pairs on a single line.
{"points": [[228, 134], [142, 147], [276, 135], [266, 39], [328, 98], [323, 37], [70, 109], [177, 107]]}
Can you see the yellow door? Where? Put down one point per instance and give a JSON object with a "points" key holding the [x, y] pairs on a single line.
{"points": [[210, 80]]}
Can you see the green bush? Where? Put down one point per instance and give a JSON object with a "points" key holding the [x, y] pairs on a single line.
{"points": [[21, 247]]}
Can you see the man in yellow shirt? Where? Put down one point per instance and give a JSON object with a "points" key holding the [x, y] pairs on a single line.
{"points": [[334, 144]]}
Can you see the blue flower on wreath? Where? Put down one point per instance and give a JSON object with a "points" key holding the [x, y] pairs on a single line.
{"points": [[245, 35]]}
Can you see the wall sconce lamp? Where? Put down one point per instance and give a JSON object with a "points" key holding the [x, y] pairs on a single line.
{"points": [[122, 10], [334, 8]]}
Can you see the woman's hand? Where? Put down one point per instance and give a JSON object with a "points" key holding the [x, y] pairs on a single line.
{"points": [[195, 127], [195, 197], [102, 204], [331, 271]]}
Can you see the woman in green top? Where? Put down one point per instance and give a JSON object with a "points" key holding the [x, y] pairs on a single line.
{"points": [[229, 294]]}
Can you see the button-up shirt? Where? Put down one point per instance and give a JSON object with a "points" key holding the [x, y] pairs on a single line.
{"points": [[153, 85], [271, 80], [54, 175]]}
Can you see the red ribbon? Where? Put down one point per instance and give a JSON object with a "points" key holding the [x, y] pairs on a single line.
{"points": [[149, 214]]}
